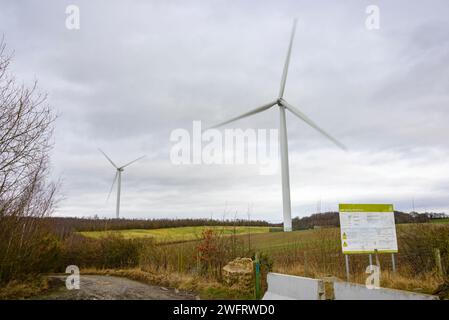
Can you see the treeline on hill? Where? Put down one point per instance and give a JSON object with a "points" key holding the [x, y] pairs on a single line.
{"points": [[331, 219], [63, 225]]}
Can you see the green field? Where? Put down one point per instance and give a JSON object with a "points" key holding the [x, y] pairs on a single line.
{"points": [[444, 220], [176, 234]]}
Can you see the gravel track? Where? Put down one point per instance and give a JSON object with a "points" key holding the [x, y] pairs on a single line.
{"points": [[96, 287]]}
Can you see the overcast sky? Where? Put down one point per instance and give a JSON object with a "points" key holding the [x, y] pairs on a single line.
{"points": [[137, 70]]}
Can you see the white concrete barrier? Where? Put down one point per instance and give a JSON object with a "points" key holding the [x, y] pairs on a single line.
{"points": [[286, 287], [352, 291]]}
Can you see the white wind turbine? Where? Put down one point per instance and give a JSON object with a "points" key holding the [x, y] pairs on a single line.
{"points": [[118, 176], [283, 133]]}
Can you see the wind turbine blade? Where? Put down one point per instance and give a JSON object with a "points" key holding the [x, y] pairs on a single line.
{"points": [[112, 186], [287, 60], [247, 114], [108, 158], [307, 120], [132, 162]]}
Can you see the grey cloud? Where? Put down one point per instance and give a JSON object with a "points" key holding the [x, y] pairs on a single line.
{"points": [[135, 72]]}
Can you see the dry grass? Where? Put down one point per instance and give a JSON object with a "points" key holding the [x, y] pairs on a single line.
{"points": [[425, 283], [24, 289]]}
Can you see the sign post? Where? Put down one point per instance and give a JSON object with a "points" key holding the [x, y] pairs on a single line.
{"points": [[347, 268], [393, 263]]}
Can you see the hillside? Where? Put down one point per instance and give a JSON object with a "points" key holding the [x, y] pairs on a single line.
{"points": [[331, 219]]}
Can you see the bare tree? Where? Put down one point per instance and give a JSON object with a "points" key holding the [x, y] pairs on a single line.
{"points": [[26, 127]]}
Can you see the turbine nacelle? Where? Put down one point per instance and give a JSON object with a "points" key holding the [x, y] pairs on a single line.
{"points": [[280, 102]]}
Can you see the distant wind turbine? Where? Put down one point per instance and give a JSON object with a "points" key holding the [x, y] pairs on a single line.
{"points": [[283, 133], [118, 176]]}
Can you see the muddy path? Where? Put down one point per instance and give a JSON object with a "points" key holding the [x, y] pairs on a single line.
{"points": [[96, 287]]}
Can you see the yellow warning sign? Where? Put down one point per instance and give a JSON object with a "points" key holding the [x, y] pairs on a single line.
{"points": [[344, 236], [345, 244]]}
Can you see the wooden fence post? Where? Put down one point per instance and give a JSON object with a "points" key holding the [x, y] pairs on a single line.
{"points": [[257, 277], [306, 269], [438, 261], [377, 257]]}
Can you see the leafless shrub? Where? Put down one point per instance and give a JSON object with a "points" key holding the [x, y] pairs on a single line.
{"points": [[26, 127], [111, 251]]}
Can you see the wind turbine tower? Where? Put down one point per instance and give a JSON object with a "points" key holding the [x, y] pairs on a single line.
{"points": [[283, 141], [118, 178]]}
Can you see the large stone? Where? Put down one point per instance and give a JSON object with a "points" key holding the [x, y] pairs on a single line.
{"points": [[239, 272]]}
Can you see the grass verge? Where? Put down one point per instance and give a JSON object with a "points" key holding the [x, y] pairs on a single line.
{"points": [[24, 289]]}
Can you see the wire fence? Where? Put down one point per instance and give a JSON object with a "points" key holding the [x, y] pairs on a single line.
{"points": [[330, 261]]}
